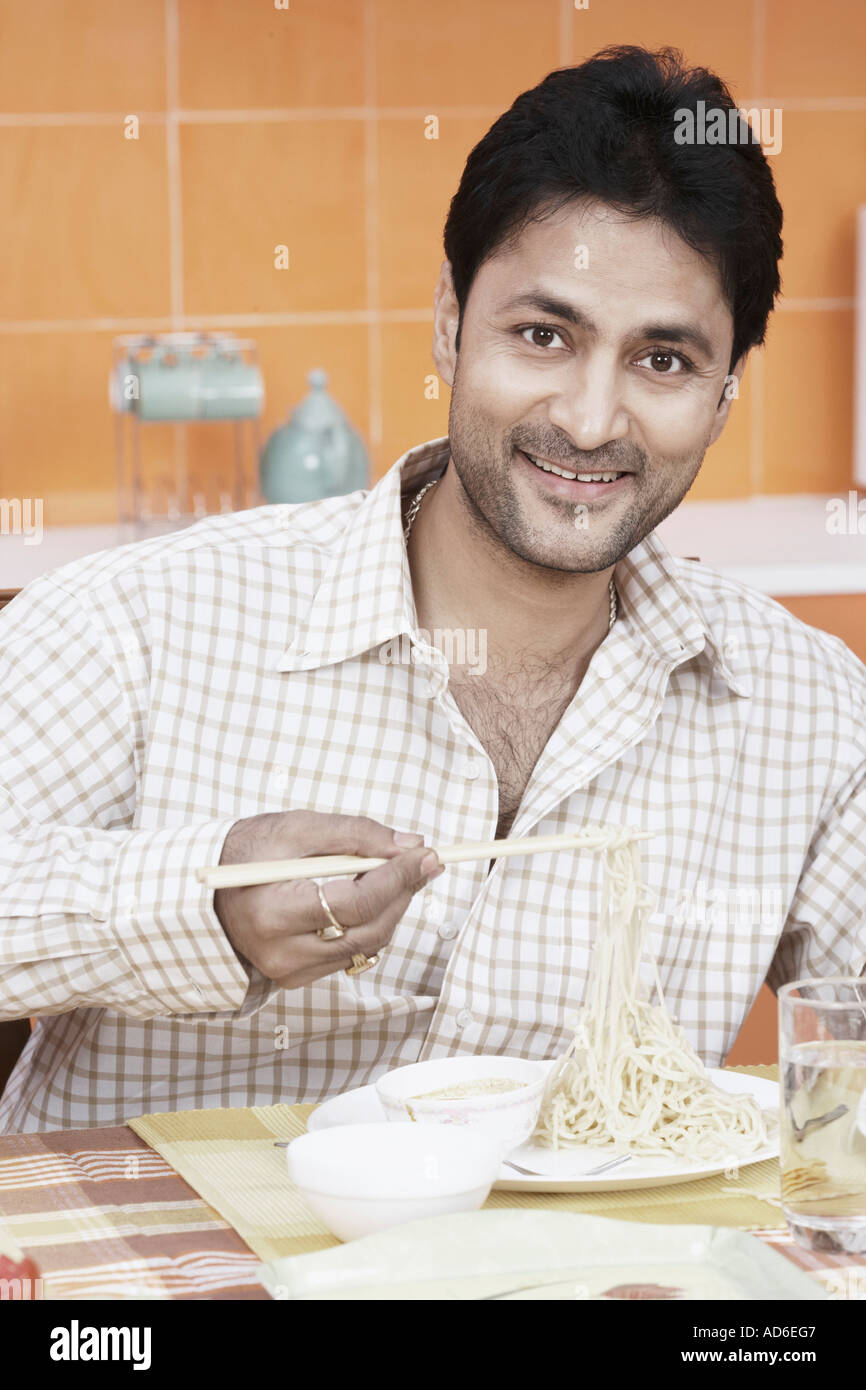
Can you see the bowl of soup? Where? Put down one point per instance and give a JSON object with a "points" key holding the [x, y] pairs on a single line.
{"points": [[499, 1096]]}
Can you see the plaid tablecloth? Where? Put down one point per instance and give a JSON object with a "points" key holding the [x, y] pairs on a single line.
{"points": [[104, 1216]]}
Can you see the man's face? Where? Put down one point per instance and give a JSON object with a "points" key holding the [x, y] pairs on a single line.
{"points": [[614, 361]]}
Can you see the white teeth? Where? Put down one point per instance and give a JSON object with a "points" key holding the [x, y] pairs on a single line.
{"points": [[552, 468], [580, 477]]}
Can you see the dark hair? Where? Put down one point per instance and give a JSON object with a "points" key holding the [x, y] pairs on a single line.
{"points": [[605, 130]]}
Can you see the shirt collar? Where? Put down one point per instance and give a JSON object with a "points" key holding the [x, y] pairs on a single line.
{"points": [[370, 558], [671, 620]]}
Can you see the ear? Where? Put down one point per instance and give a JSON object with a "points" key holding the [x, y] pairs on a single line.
{"points": [[446, 317], [729, 394]]}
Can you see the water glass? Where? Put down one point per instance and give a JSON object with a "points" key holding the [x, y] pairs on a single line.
{"points": [[822, 1063]]}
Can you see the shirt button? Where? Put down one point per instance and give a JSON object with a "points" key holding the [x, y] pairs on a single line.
{"points": [[602, 666], [447, 931], [731, 648], [463, 1019], [130, 904], [471, 768]]}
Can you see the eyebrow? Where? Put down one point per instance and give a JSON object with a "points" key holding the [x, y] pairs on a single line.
{"points": [[674, 332]]}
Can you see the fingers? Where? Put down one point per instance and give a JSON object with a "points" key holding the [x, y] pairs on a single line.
{"points": [[308, 832], [312, 958], [275, 925], [294, 907], [355, 902]]}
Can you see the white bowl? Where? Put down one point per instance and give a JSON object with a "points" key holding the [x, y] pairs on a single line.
{"points": [[507, 1117], [364, 1178]]}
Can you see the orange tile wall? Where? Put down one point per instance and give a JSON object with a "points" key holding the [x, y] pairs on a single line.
{"points": [[304, 126]]}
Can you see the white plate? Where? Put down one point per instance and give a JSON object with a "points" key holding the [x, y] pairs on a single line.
{"points": [[561, 1171], [550, 1255]]}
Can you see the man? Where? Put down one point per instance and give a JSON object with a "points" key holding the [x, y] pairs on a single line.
{"points": [[272, 684]]}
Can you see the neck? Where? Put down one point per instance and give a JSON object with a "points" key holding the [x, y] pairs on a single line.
{"points": [[463, 577]]}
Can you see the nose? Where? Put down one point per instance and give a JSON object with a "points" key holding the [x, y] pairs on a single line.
{"points": [[589, 405]]}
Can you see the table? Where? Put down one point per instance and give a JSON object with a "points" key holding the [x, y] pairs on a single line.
{"points": [[104, 1216]]}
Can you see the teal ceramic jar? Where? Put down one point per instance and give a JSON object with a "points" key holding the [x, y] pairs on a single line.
{"points": [[316, 453]]}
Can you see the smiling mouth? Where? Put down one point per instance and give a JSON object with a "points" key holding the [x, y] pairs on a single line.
{"points": [[607, 476]]}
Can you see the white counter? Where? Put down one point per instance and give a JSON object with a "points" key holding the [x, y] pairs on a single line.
{"points": [[780, 545], [22, 559]]}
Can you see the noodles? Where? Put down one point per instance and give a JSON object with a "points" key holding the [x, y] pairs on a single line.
{"points": [[630, 1077]]}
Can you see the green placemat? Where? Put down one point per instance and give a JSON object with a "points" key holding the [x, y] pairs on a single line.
{"points": [[228, 1157]]}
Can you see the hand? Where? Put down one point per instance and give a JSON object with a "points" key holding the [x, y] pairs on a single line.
{"points": [[273, 925]]}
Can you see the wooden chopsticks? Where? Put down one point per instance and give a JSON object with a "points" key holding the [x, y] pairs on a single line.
{"points": [[340, 865]]}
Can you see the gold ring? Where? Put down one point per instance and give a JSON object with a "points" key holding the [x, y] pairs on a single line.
{"points": [[333, 929], [360, 963]]}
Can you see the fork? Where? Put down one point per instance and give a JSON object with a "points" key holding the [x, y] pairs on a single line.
{"points": [[590, 1173], [527, 1172], [817, 1121]]}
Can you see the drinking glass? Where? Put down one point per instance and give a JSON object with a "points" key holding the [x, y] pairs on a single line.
{"points": [[822, 1062]]}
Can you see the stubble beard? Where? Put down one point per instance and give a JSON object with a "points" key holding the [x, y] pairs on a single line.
{"points": [[497, 515]]}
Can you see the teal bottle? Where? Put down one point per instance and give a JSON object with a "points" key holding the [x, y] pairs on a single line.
{"points": [[316, 453]]}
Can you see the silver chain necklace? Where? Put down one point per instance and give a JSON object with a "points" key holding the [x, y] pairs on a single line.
{"points": [[413, 512]]}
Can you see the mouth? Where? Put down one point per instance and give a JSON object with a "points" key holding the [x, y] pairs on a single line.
{"points": [[578, 487]]}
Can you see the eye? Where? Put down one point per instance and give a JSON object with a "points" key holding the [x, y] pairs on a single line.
{"points": [[542, 328], [667, 356]]}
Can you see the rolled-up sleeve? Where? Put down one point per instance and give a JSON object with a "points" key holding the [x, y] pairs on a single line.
{"points": [[93, 911]]}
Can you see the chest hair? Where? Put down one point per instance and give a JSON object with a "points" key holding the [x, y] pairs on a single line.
{"points": [[513, 714]]}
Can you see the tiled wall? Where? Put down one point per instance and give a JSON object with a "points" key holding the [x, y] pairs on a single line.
{"points": [[304, 125]]}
